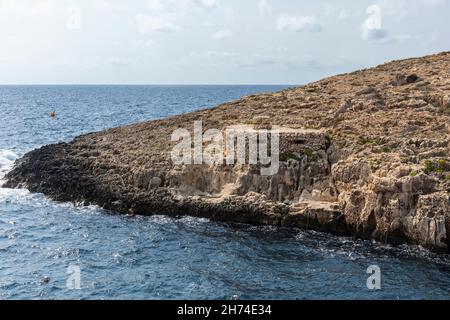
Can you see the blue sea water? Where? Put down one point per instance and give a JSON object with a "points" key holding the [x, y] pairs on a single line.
{"points": [[166, 258]]}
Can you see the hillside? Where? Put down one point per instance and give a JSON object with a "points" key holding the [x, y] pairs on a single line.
{"points": [[373, 160]]}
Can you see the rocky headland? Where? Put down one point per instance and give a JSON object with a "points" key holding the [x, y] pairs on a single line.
{"points": [[371, 158]]}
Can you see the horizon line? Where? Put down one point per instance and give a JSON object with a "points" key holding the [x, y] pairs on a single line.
{"points": [[149, 84]]}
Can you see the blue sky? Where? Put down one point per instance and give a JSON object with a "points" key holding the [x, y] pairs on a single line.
{"points": [[211, 41]]}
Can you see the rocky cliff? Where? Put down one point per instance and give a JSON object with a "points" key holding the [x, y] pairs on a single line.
{"points": [[370, 158]]}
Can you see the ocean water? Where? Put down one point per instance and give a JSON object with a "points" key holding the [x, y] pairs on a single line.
{"points": [[44, 244]]}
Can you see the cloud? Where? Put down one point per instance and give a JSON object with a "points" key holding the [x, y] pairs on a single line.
{"points": [[180, 5], [209, 59], [155, 5], [401, 8], [371, 29], [209, 4], [147, 44], [146, 24], [28, 8], [375, 35], [119, 62], [259, 61], [287, 22], [433, 3], [164, 15], [337, 12], [110, 5], [382, 36], [222, 35], [264, 8]]}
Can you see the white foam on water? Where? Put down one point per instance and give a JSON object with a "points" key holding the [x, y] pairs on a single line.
{"points": [[20, 196], [15, 196], [7, 158]]}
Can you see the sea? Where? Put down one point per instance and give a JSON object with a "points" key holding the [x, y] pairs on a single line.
{"points": [[51, 250]]}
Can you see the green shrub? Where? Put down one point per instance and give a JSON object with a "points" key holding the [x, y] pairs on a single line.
{"points": [[289, 155], [328, 140], [310, 154], [370, 141], [429, 167], [439, 167]]}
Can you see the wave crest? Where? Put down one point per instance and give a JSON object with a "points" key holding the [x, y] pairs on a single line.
{"points": [[7, 158]]}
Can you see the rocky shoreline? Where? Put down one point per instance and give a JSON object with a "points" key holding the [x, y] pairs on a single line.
{"points": [[371, 158]]}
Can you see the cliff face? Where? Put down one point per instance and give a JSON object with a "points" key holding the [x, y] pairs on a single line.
{"points": [[370, 158]]}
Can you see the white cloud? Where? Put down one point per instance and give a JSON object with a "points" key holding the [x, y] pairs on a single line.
{"points": [[146, 24], [147, 44], [118, 62], [287, 22], [155, 5], [209, 59], [433, 3], [222, 35], [375, 35], [110, 5], [401, 8], [264, 8], [269, 60], [34, 36], [371, 29], [209, 3], [180, 5], [338, 12], [164, 15], [27, 8]]}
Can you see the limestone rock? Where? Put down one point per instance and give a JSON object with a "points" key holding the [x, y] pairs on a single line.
{"points": [[363, 154]]}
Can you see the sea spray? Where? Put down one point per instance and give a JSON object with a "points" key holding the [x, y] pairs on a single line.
{"points": [[7, 158]]}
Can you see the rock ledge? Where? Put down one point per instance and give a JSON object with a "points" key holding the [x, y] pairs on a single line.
{"points": [[373, 162]]}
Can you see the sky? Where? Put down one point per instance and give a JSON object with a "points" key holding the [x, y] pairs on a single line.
{"points": [[211, 41]]}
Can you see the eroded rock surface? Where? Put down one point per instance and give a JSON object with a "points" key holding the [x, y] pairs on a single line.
{"points": [[373, 162]]}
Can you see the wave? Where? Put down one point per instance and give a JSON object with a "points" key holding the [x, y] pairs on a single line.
{"points": [[7, 158]]}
